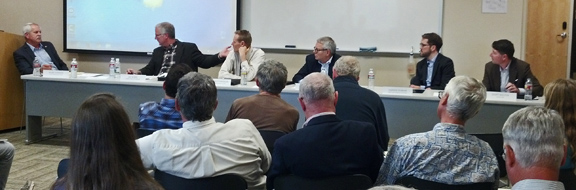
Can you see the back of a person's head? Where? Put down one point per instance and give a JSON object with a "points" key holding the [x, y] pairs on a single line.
{"points": [[272, 76], [433, 40], [347, 66], [466, 95], [316, 86], [103, 151], [536, 134], [560, 95], [174, 74], [504, 46], [390, 187], [196, 96]]}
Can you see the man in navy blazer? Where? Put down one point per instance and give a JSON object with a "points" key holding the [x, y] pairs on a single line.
{"points": [[326, 146], [35, 47], [322, 60], [435, 70]]}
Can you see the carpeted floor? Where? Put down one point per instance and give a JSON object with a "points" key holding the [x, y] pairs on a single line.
{"points": [[38, 162]]}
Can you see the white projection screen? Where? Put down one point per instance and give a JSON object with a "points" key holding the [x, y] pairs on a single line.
{"points": [[127, 26]]}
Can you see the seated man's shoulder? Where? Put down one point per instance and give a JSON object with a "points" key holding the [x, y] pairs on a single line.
{"points": [[416, 139], [240, 124], [148, 105]]}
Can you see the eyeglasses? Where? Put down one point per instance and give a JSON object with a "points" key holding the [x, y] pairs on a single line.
{"points": [[424, 45], [440, 94], [317, 50], [159, 35]]}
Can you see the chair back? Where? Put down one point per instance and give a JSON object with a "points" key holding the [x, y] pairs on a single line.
{"points": [[226, 181], [270, 138], [496, 142], [348, 182], [420, 184], [62, 167]]}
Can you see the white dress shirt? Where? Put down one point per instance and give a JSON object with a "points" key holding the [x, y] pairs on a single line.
{"points": [[206, 149], [231, 70]]}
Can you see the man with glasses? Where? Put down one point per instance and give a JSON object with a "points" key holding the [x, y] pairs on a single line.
{"points": [[446, 154], [534, 148], [435, 70], [172, 51], [322, 60]]}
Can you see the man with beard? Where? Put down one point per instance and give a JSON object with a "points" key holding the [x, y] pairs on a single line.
{"points": [[435, 70]]}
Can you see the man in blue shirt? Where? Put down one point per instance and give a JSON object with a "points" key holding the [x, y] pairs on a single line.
{"points": [[321, 60], [446, 154], [34, 47], [163, 115]]}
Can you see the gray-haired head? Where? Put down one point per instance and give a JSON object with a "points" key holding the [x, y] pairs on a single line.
{"points": [[328, 43], [536, 134], [28, 27], [167, 28], [316, 86], [197, 96], [466, 95], [347, 66], [272, 76]]}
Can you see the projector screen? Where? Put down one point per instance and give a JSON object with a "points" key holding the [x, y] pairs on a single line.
{"points": [[127, 27]]}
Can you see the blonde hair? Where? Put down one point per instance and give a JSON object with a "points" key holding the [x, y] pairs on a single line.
{"points": [[560, 95]]}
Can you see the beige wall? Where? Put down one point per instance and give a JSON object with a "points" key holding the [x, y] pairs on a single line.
{"points": [[467, 37]]}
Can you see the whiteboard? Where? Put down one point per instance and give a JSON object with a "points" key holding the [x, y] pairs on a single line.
{"points": [[389, 25]]}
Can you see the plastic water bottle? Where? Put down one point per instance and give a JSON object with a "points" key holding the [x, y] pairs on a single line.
{"points": [[112, 68], [74, 68], [243, 73], [37, 66], [528, 88], [117, 69], [411, 65], [371, 79]]}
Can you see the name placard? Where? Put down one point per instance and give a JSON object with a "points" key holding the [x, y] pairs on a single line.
{"points": [[398, 90], [55, 74], [501, 96], [223, 82], [133, 77]]}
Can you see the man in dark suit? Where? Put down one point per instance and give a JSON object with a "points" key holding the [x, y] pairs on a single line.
{"points": [[505, 73], [326, 146], [36, 48], [173, 51], [322, 60], [358, 103], [435, 70]]}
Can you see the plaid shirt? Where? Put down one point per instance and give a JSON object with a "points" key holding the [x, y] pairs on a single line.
{"points": [[159, 116]]}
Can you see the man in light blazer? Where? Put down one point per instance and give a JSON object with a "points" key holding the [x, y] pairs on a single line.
{"points": [[435, 70], [36, 48]]}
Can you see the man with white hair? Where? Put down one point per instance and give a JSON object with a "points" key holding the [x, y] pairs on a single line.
{"points": [[326, 146], [534, 148], [358, 103], [446, 154], [34, 47]]}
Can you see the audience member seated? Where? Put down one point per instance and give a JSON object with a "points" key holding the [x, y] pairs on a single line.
{"points": [[204, 147], [358, 103], [321, 60], [267, 110], [163, 115], [435, 70], [244, 56], [326, 146], [505, 73], [103, 154], [446, 154], [534, 148], [36, 48], [6, 157], [560, 95]]}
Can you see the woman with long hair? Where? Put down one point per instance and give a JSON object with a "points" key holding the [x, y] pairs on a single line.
{"points": [[103, 151], [560, 95]]}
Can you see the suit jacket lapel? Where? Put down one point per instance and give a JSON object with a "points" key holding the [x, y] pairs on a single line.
{"points": [[513, 72], [435, 67], [179, 51]]}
